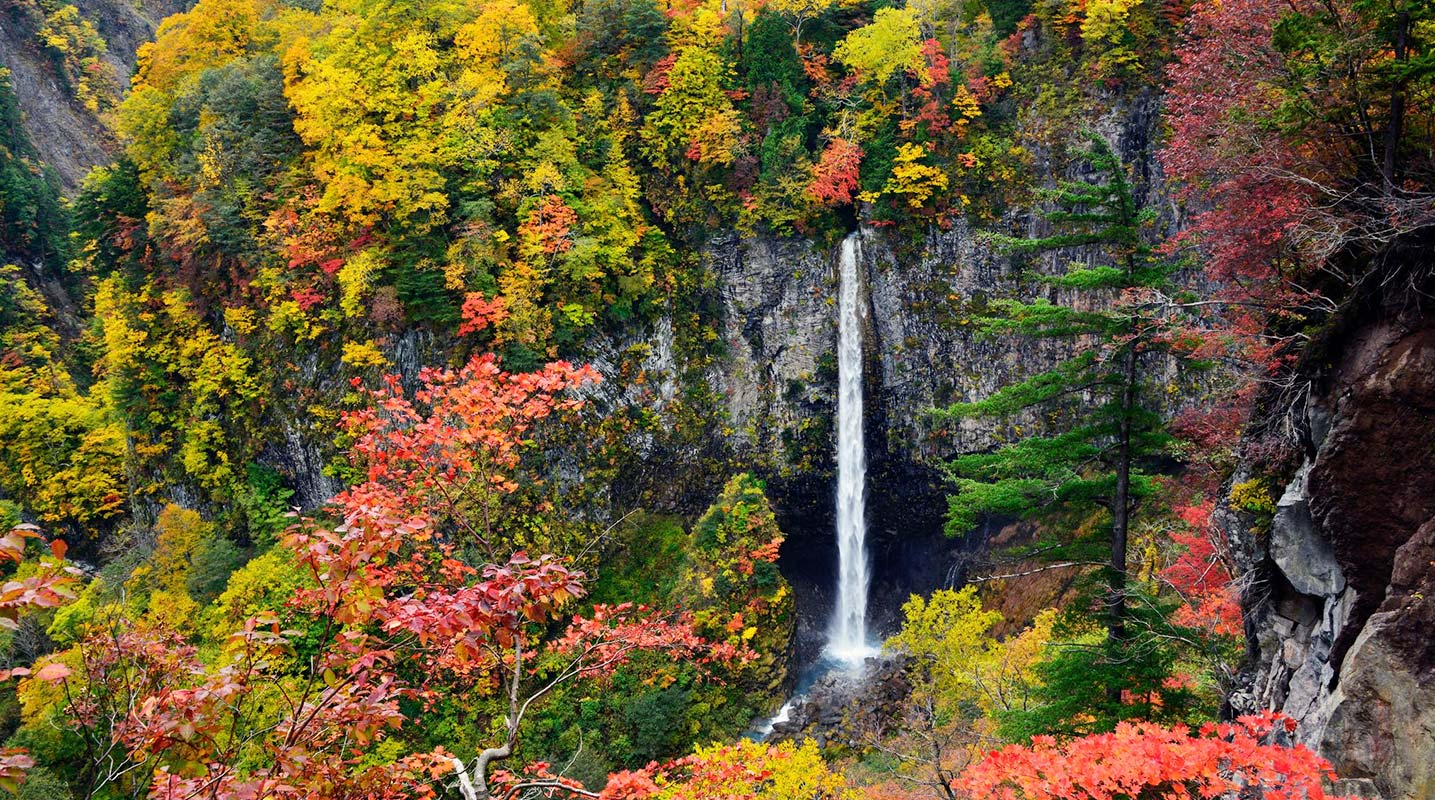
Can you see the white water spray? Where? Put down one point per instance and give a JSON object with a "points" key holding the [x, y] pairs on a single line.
{"points": [[847, 638]]}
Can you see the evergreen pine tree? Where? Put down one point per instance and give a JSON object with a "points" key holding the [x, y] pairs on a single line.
{"points": [[1088, 471]]}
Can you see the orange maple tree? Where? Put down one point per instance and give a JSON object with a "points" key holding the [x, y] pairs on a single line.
{"points": [[1144, 760], [834, 177]]}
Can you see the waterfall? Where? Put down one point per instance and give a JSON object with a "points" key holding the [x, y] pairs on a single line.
{"points": [[847, 638], [847, 645]]}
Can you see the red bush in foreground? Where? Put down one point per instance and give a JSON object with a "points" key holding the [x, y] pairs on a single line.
{"points": [[1145, 760]]}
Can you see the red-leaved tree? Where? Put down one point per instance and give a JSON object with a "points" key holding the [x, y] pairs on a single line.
{"points": [[415, 579], [1144, 760], [834, 177], [1296, 130]]}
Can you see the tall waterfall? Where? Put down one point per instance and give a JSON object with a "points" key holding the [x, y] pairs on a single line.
{"points": [[847, 638]]}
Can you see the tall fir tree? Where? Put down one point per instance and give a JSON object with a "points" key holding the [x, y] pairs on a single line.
{"points": [[1083, 469]]}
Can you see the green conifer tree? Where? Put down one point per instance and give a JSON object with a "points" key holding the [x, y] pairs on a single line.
{"points": [[1083, 472]]}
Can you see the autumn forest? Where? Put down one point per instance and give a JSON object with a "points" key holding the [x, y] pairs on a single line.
{"points": [[717, 399]]}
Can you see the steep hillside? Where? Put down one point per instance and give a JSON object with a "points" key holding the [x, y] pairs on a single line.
{"points": [[68, 67]]}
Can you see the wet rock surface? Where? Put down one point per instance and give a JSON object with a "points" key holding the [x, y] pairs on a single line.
{"points": [[843, 707]]}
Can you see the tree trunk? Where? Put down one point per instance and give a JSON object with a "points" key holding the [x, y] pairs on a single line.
{"points": [[1394, 127], [473, 783], [1121, 504]]}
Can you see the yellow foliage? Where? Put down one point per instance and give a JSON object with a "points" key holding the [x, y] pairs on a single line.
{"points": [[1252, 496], [266, 583], [965, 103], [704, 28], [960, 664], [530, 320], [63, 454], [545, 179], [694, 119], [363, 354], [382, 122], [890, 45], [1105, 20], [210, 34], [285, 316], [948, 635], [38, 698], [175, 611], [1007, 680], [80, 48], [179, 535], [242, 319], [144, 124], [798, 12], [489, 40], [785, 771], [355, 280], [912, 178]]}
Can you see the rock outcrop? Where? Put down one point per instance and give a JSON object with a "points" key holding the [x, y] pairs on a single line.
{"points": [[848, 709], [68, 136], [1341, 599]]}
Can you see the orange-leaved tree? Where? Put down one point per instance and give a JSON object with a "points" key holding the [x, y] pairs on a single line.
{"points": [[1144, 760]]}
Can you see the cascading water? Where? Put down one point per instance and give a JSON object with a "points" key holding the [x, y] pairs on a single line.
{"points": [[847, 646], [847, 638]]}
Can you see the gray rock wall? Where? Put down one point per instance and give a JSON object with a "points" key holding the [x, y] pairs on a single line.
{"points": [[779, 314], [777, 379], [1340, 592]]}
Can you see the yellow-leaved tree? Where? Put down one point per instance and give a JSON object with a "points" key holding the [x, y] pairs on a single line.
{"points": [[692, 134], [799, 12], [961, 678], [889, 46], [371, 98], [1111, 35], [749, 769], [948, 638], [485, 45], [210, 34], [915, 181]]}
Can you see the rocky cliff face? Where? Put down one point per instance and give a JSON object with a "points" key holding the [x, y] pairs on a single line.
{"points": [[778, 379], [780, 315], [69, 136], [1341, 595]]}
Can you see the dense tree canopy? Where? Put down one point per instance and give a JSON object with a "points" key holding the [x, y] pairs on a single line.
{"points": [[438, 272]]}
